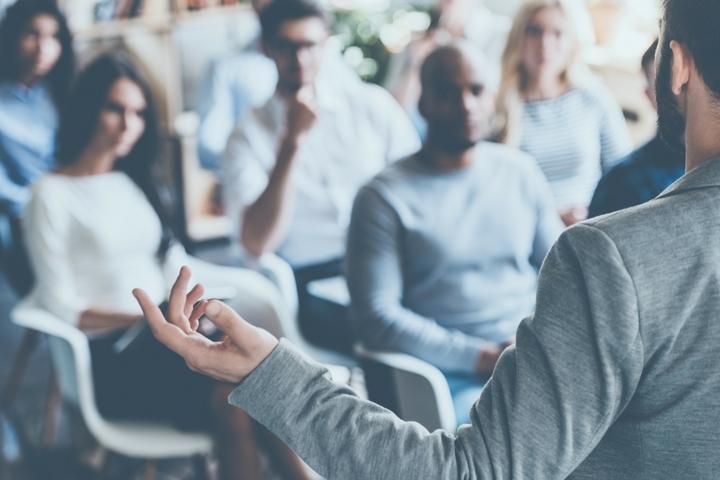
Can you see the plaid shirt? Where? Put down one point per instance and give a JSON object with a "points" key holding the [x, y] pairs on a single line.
{"points": [[640, 177]]}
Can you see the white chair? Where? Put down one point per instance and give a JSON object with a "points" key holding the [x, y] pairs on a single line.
{"points": [[413, 389], [70, 353]]}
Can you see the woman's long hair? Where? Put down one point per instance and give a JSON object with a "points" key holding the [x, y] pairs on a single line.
{"points": [[13, 25], [514, 78], [79, 119]]}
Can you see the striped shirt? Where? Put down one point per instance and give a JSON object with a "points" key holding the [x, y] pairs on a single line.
{"points": [[575, 138]]}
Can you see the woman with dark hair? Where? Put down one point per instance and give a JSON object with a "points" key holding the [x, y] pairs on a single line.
{"points": [[96, 226], [36, 68]]}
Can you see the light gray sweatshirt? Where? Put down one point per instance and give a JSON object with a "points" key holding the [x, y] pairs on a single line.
{"points": [[439, 263]]}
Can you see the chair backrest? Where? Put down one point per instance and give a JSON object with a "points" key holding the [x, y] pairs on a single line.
{"points": [[413, 389]]}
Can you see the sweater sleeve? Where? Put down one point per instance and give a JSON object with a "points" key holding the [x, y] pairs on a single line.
{"points": [[46, 235], [375, 281], [549, 403]]}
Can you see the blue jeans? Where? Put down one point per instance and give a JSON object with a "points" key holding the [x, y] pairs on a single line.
{"points": [[465, 390]]}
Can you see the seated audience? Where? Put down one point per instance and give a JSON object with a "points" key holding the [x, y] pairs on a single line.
{"points": [[293, 166], [552, 108], [645, 173], [36, 67], [445, 246], [96, 227], [238, 84], [450, 20]]}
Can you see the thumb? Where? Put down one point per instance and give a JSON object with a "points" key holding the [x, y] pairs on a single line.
{"points": [[229, 322]]}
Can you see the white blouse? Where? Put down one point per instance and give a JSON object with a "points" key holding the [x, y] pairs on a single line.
{"points": [[91, 240]]}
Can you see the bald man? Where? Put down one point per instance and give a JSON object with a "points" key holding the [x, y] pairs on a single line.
{"points": [[444, 247]]}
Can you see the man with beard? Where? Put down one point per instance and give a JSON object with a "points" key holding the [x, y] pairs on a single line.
{"points": [[444, 247], [646, 172], [613, 377]]}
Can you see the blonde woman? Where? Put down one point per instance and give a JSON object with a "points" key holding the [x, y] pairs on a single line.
{"points": [[550, 106]]}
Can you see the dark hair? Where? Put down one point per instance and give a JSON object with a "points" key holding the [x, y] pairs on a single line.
{"points": [[79, 119], [694, 23], [280, 11], [13, 25], [648, 58]]}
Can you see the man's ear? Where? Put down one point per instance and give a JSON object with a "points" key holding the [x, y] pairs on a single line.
{"points": [[681, 66]]}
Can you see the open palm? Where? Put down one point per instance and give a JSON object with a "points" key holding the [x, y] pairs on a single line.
{"points": [[241, 350]]}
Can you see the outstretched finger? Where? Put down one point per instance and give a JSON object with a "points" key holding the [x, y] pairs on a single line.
{"points": [[192, 298], [227, 320], [178, 297], [166, 333]]}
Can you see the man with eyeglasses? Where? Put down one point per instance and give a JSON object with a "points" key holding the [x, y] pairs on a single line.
{"points": [[292, 167], [238, 83]]}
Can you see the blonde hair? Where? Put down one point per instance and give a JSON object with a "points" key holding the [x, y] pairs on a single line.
{"points": [[514, 79]]}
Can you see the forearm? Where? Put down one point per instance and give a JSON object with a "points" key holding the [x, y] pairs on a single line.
{"points": [[265, 221], [94, 319], [355, 439]]}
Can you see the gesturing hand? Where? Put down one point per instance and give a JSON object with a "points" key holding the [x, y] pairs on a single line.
{"points": [[242, 349]]}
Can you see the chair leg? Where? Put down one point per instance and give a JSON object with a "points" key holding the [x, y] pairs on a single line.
{"points": [[22, 358], [150, 470], [52, 412]]}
